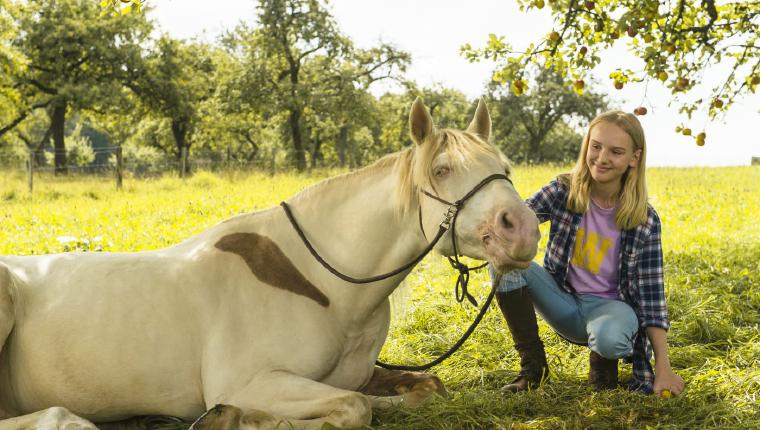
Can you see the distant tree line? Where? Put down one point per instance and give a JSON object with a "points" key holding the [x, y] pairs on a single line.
{"points": [[289, 88]]}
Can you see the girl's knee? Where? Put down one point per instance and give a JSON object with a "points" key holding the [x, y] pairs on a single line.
{"points": [[611, 344]]}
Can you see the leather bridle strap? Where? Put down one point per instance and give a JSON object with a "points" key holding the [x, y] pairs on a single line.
{"points": [[460, 290], [351, 279], [449, 221]]}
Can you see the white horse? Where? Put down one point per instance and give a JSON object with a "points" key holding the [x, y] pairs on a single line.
{"points": [[242, 316]]}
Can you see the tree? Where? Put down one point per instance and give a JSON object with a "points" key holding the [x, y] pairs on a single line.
{"points": [[75, 59], [675, 40], [340, 102], [534, 127], [11, 64], [289, 33], [234, 124], [174, 80], [292, 34]]}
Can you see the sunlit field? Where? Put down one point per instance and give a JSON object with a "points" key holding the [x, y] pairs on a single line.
{"points": [[711, 239]]}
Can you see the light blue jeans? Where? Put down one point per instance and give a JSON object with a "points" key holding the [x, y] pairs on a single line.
{"points": [[608, 326]]}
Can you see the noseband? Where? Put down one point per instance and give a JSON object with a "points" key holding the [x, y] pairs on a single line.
{"points": [[449, 222]]}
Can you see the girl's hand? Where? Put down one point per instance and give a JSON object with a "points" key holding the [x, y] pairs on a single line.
{"points": [[667, 380]]}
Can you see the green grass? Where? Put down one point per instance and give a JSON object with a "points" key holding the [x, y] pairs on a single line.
{"points": [[711, 239]]}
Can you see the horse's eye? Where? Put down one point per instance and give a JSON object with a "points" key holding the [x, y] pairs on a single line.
{"points": [[441, 172]]}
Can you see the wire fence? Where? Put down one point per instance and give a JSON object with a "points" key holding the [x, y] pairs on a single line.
{"points": [[110, 162]]}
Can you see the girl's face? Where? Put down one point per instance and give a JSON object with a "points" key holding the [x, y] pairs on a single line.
{"points": [[610, 153]]}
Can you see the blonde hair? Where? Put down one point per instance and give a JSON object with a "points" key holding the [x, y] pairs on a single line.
{"points": [[632, 206]]}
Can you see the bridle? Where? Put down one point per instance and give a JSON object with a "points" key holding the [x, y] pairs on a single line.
{"points": [[449, 222]]}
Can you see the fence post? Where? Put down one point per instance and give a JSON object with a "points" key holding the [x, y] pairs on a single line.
{"points": [[183, 162], [30, 169], [119, 167], [272, 162]]}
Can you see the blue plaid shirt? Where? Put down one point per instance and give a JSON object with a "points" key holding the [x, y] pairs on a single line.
{"points": [[640, 270]]}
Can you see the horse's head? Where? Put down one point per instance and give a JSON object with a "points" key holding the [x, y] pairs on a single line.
{"points": [[494, 224]]}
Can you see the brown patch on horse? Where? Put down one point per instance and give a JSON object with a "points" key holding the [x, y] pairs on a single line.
{"points": [[270, 265], [386, 382]]}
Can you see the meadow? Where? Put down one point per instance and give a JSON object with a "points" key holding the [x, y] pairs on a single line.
{"points": [[711, 241]]}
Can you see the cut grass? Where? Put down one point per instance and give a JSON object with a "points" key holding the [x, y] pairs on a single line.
{"points": [[711, 240]]}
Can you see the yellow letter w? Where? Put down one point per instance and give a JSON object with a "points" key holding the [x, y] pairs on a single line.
{"points": [[589, 253]]}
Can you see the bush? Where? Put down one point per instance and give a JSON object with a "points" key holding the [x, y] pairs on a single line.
{"points": [[142, 160], [78, 149]]}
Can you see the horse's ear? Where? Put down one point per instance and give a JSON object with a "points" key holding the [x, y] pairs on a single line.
{"points": [[481, 122], [420, 122]]}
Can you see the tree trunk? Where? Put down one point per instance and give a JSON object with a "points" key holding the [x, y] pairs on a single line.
{"points": [[295, 131], [342, 144], [39, 150], [179, 130], [57, 122], [534, 146], [316, 152]]}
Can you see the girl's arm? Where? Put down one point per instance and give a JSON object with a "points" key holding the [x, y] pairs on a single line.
{"points": [[652, 291], [664, 377], [542, 203]]}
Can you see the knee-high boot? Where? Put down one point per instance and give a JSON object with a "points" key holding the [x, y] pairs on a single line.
{"points": [[517, 307]]}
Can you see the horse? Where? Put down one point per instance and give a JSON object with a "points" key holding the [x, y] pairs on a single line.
{"points": [[240, 325]]}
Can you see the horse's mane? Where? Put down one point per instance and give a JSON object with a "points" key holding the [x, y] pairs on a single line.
{"points": [[413, 165]]}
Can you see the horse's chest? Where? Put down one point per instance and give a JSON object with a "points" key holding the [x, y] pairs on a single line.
{"points": [[359, 352]]}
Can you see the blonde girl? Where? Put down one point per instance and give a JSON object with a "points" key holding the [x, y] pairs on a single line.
{"points": [[601, 284]]}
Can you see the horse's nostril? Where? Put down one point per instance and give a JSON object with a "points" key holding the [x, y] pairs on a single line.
{"points": [[505, 221]]}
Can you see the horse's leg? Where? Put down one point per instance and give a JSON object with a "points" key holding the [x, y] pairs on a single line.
{"points": [[397, 387], [56, 418], [288, 401]]}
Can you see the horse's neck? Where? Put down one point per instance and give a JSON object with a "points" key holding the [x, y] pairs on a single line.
{"points": [[352, 224]]}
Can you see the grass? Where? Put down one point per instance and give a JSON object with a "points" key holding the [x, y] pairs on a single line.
{"points": [[711, 239]]}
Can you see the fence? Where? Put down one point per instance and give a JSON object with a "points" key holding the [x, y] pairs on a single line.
{"points": [[110, 161]]}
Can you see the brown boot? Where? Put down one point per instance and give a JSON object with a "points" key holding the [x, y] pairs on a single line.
{"points": [[602, 372], [517, 307]]}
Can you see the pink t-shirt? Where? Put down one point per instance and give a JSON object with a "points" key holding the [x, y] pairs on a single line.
{"points": [[594, 265]]}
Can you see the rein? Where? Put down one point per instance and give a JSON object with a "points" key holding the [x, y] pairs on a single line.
{"points": [[449, 222]]}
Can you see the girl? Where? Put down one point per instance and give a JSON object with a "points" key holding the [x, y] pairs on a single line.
{"points": [[602, 280]]}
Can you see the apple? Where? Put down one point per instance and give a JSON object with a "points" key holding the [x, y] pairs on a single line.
{"points": [[755, 80], [539, 4], [631, 31], [641, 110], [590, 5], [583, 51], [701, 139], [518, 87], [718, 103], [554, 36], [663, 76], [579, 84], [686, 132], [648, 38], [618, 85]]}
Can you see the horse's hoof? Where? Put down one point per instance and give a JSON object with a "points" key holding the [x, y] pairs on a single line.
{"points": [[220, 417]]}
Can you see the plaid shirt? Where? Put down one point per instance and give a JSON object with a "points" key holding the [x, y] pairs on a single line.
{"points": [[640, 269]]}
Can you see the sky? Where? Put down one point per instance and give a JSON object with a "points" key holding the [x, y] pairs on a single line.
{"points": [[433, 32]]}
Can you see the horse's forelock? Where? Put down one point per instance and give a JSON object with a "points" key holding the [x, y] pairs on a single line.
{"points": [[414, 165]]}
